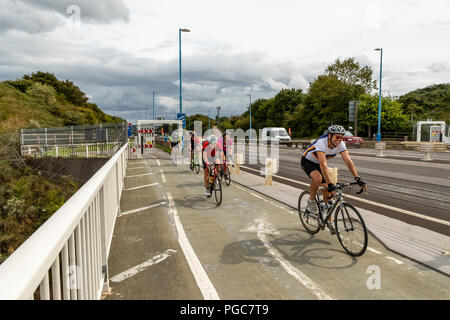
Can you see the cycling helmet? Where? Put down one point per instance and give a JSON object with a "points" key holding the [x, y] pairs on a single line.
{"points": [[336, 129], [212, 139]]}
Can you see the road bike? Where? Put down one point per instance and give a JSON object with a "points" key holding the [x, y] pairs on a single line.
{"points": [[348, 223], [214, 183], [225, 173], [194, 163]]}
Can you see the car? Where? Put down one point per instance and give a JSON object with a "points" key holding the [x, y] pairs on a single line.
{"points": [[351, 140], [279, 134]]}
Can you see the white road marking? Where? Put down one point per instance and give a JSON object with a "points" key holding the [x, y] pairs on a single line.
{"points": [[395, 260], [447, 223], [144, 186], [140, 175], [141, 162], [133, 271], [159, 163], [373, 250], [163, 176], [300, 276], [203, 282], [138, 167], [143, 208]]}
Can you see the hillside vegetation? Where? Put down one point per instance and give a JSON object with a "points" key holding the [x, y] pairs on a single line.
{"points": [[27, 198], [41, 100]]}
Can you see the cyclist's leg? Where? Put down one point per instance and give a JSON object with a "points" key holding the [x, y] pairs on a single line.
{"points": [[205, 174]]}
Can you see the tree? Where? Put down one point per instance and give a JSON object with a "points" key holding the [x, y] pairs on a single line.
{"points": [[351, 73], [392, 116]]}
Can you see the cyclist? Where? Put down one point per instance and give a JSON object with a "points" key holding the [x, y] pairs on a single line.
{"points": [[227, 146], [314, 163], [173, 145], [209, 149]]}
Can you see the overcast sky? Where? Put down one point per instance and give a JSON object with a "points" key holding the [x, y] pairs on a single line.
{"points": [[120, 51]]}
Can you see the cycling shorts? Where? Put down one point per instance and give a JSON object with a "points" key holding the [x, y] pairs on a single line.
{"points": [[309, 166]]}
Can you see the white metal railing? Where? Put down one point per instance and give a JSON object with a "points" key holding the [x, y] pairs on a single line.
{"points": [[86, 150], [67, 257]]}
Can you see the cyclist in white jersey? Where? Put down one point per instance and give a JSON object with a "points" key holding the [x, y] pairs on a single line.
{"points": [[314, 163]]}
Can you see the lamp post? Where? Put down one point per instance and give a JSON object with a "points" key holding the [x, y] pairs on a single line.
{"points": [[249, 94], [179, 36], [379, 98], [153, 105], [209, 121]]}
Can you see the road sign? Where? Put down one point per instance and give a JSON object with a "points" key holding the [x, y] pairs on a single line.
{"points": [[129, 130], [182, 117], [351, 111]]}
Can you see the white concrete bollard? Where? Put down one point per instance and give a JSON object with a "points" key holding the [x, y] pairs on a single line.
{"points": [[238, 160], [268, 172], [333, 172], [380, 146], [427, 148]]}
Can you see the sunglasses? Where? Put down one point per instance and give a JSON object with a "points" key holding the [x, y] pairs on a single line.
{"points": [[339, 137]]}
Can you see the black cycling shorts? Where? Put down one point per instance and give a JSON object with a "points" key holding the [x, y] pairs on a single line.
{"points": [[309, 166]]}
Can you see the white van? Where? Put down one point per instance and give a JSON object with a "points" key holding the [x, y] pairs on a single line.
{"points": [[279, 134]]}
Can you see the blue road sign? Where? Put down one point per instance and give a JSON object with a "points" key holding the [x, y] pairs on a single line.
{"points": [[182, 117], [129, 131]]}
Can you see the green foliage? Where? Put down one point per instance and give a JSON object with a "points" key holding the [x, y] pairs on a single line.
{"points": [[432, 102], [27, 200], [392, 117]]}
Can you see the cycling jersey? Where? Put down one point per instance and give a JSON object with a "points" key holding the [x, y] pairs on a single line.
{"points": [[226, 144], [321, 145]]}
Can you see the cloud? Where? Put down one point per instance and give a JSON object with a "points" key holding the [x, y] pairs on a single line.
{"points": [[40, 16]]}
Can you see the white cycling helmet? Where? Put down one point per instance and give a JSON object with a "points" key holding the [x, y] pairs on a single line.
{"points": [[212, 139], [336, 129]]}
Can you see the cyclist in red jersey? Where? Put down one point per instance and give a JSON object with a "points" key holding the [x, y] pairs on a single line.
{"points": [[211, 150]]}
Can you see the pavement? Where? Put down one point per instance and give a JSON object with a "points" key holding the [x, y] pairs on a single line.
{"points": [[422, 245], [171, 242]]}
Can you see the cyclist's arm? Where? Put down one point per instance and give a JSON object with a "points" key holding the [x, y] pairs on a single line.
{"points": [[324, 166], [205, 156], [349, 163]]}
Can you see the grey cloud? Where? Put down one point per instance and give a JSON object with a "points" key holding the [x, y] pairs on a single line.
{"points": [[39, 16], [104, 11]]}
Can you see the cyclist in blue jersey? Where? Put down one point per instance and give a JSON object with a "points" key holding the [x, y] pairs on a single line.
{"points": [[314, 163]]}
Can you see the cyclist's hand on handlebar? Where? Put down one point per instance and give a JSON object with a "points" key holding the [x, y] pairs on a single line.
{"points": [[331, 187], [362, 184]]}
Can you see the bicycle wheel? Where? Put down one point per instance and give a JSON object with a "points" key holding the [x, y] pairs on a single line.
{"points": [[218, 191], [309, 222], [227, 176], [351, 229]]}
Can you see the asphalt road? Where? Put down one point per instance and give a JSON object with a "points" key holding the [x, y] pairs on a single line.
{"points": [[171, 242], [417, 186]]}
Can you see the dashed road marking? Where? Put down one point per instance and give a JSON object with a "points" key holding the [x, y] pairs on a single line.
{"points": [[143, 208], [395, 260], [150, 262], [373, 250], [140, 175], [144, 186], [163, 176]]}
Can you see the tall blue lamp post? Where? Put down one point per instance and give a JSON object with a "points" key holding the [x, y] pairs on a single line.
{"points": [[179, 34], [250, 114], [379, 98], [153, 105]]}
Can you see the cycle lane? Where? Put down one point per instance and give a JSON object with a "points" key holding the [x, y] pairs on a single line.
{"points": [[255, 248]]}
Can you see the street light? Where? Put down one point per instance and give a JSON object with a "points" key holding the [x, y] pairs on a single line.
{"points": [[379, 98], [179, 34], [153, 105], [250, 114]]}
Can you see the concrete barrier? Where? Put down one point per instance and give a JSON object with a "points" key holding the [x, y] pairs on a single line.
{"points": [[380, 146]]}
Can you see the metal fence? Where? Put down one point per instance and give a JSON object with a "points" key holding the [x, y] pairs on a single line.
{"points": [[74, 141], [67, 257]]}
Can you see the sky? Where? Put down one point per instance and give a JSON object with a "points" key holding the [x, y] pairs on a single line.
{"points": [[121, 51]]}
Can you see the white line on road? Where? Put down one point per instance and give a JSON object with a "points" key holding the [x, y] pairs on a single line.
{"points": [[418, 215], [140, 175], [133, 271], [163, 176], [300, 276], [138, 167], [373, 250], [203, 282], [395, 260], [159, 163], [143, 208], [144, 186]]}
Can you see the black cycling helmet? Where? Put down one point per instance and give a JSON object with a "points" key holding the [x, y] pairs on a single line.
{"points": [[336, 129]]}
